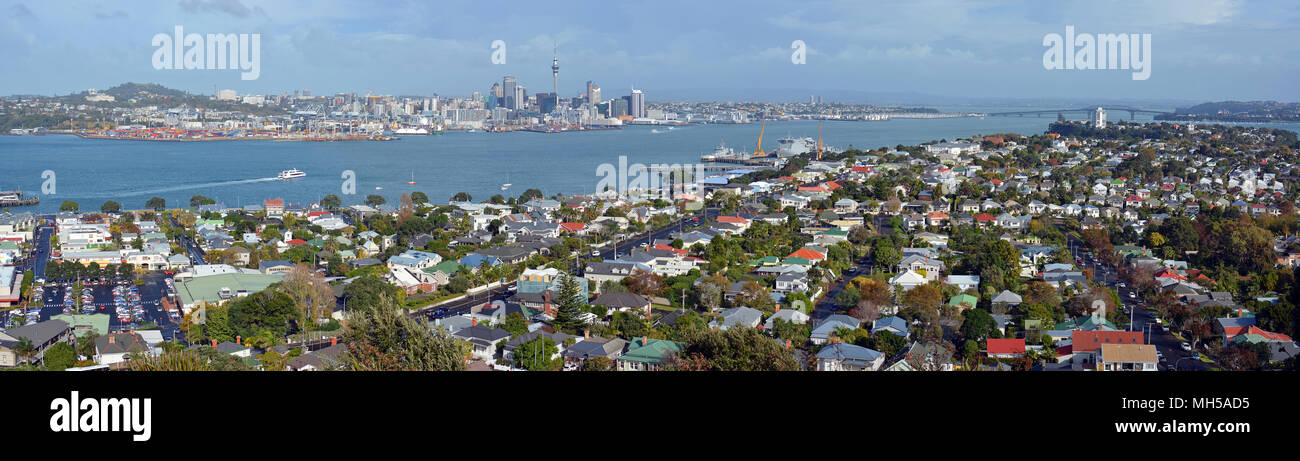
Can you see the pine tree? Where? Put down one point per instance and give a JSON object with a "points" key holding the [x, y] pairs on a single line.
{"points": [[571, 304]]}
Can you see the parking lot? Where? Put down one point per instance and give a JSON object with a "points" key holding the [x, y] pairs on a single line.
{"points": [[103, 300]]}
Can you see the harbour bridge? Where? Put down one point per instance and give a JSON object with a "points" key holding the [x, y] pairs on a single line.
{"points": [[1132, 111]]}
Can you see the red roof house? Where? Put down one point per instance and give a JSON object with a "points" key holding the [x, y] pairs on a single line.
{"points": [[1005, 348]]}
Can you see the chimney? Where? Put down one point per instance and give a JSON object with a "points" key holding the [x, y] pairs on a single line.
{"points": [[778, 308], [586, 334], [334, 340], [473, 321], [214, 343], [110, 339], [239, 340], [546, 297], [645, 340], [788, 345]]}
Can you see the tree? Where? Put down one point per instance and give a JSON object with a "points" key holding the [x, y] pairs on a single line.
{"points": [[68, 205], [757, 296], [598, 363], [709, 291], [202, 358], [926, 297], [847, 297], [198, 200], [515, 324], [887, 342], [59, 357], [330, 202], [733, 349], [85, 346], [571, 304], [375, 200], [645, 283], [110, 207], [156, 203], [977, 324], [461, 197], [872, 290], [419, 197], [311, 294], [886, 256], [366, 291], [865, 311], [539, 354], [526, 196], [629, 324], [796, 333], [380, 338], [25, 349], [265, 310]]}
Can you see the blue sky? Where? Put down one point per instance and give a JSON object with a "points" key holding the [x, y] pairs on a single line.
{"points": [[1201, 49]]}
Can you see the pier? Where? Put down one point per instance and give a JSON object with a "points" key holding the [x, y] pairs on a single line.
{"points": [[15, 198]]}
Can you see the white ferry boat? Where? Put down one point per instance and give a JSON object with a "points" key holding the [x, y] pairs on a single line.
{"points": [[291, 174]]}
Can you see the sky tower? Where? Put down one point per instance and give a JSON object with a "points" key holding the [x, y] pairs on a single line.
{"points": [[555, 75]]}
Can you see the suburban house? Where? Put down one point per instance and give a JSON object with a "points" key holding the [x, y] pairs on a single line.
{"points": [[1127, 357], [591, 347], [848, 357], [114, 347], [484, 340], [644, 354], [42, 336], [623, 301], [1006, 348]]}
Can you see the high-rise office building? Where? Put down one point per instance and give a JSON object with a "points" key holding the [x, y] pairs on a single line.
{"points": [[1099, 118], [510, 89], [593, 93], [636, 104]]}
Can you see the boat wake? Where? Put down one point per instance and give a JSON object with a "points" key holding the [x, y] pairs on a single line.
{"points": [[181, 187]]}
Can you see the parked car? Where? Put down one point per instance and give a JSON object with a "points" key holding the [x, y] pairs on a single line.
{"points": [[1186, 347]]}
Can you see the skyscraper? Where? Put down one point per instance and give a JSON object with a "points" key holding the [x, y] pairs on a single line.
{"points": [[1099, 118], [508, 85], [593, 93], [636, 104]]}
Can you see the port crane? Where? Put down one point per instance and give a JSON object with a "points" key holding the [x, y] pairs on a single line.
{"points": [[758, 148], [819, 140]]}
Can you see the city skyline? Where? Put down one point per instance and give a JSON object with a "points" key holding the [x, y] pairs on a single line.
{"points": [[1218, 50]]}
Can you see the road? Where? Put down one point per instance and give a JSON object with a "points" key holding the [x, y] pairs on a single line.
{"points": [[192, 249], [1142, 319], [826, 307], [41, 254]]}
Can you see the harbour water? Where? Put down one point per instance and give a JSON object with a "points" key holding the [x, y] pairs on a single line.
{"points": [[238, 173]]}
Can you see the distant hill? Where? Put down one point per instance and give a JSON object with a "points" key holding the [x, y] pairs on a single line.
{"points": [[152, 94], [1238, 111]]}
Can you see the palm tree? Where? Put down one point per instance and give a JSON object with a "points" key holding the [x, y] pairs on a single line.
{"points": [[26, 350]]}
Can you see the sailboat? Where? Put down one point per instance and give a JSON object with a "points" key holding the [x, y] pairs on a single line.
{"points": [[507, 184], [412, 181]]}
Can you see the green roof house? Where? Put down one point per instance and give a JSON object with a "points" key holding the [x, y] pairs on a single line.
{"points": [[644, 354]]}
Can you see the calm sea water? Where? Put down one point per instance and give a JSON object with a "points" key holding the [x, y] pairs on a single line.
{"points": [[238, 173]]}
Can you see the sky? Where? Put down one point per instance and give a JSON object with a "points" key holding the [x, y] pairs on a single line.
{"points": [[856, 51]]}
